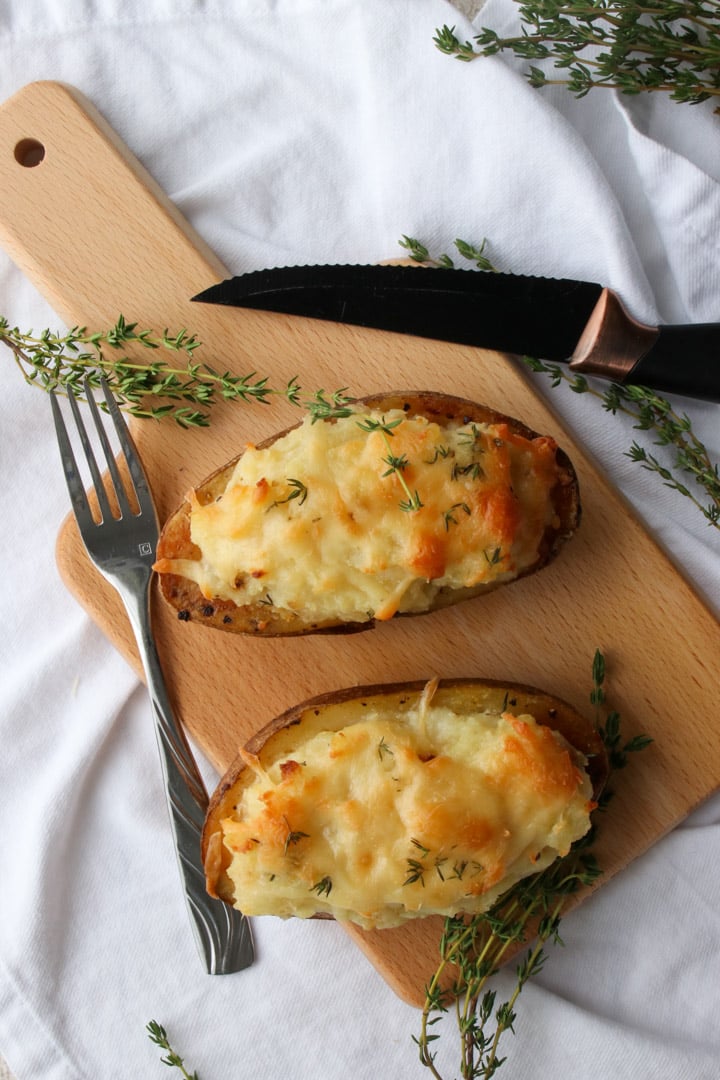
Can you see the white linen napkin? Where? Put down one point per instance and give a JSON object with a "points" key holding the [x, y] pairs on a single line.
{"points": [[321, 131]]}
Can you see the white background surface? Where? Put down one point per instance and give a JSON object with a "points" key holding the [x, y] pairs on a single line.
{"points": [[322, 131]]}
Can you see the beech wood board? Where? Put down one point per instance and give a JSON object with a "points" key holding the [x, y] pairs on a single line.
{"points": [[98, 237]]}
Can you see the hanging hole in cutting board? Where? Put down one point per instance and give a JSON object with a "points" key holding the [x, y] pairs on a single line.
{"points": [[29, 153]]}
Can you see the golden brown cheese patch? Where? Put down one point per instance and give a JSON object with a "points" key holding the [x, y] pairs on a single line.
{"points": [[372, 515], [395, 817]]}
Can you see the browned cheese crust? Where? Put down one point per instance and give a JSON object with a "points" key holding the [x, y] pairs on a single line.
{"points": [[465, 696]]}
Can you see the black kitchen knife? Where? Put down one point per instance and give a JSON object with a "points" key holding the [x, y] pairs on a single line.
{"points": [[574, 322]]}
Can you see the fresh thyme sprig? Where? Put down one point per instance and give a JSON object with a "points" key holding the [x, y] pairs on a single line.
{"points": [[471, 951], [155, 389], [609, 730], [672, 431], [297, 490], [634, 46], [476, 949], [396, 464], [158, 1035]]}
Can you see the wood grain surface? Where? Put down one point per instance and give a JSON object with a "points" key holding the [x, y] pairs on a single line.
{"points": [[97, 237]]}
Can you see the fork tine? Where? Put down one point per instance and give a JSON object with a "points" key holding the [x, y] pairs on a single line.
{"points": [[78, 498], [100, 493], [132, 459], [118, 485]]}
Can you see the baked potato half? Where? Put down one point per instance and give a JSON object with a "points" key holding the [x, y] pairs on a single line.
{"points": [[382, 804], [406, 503]]}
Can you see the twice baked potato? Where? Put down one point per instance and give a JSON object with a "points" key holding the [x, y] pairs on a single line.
{"points": [[408, 503], [383, 804]]}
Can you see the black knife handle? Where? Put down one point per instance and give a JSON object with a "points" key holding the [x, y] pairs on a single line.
{"points": [[670, 359], [684, 360]]}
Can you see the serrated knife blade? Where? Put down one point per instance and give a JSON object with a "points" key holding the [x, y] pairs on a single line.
{"points": [[552, 319]]}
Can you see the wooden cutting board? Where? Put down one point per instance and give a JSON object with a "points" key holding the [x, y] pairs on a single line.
{"points": [[98, 238]]}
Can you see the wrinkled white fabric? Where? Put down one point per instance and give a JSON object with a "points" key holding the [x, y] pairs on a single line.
{"points": [[321, 131]]}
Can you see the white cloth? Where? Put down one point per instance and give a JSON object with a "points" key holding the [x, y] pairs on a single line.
{"points": [[322, 130]]}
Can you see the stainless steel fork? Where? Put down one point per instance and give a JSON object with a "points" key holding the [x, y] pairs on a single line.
{"points": [[123, 549]]}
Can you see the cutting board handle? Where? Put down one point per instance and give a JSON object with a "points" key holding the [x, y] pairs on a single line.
{"points": [[69, 186]]}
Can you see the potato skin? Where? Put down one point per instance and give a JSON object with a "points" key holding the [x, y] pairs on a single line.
{"points": [[263, 620], [463, 695]]}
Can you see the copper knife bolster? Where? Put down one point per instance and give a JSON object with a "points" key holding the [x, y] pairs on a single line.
{"points": [[613, 342]]}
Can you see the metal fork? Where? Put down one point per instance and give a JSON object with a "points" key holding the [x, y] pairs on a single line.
{"points": [[123, 549]]}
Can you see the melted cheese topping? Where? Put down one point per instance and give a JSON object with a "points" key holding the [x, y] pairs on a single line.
{"points": [[322, 522], [394, 818]]}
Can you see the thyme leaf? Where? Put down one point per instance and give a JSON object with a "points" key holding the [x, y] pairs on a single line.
{"points": [[294, 836], [474, 253], [415, 872], [395, 464], [473, 469], [383, 425], [384, 749], [323, 887], [320, 407], [441, 452], [412, 503], [449, 515], [415, 867]]}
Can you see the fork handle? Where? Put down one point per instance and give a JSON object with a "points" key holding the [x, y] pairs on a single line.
{"points": [[223, 935]]}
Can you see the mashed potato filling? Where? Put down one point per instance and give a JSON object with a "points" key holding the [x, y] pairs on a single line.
{"points": [[394, 817], [372, 514]]}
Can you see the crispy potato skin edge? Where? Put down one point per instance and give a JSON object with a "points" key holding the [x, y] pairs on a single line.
{"points": [[547, 709], [266, 621]]}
